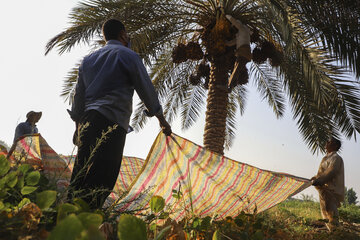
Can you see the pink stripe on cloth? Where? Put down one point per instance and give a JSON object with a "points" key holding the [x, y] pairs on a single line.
{"points": [[228, 189], [147, 180], [203, 191]]}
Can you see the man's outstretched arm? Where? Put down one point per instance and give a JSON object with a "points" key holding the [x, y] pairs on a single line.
{"points": [[146, 91]]}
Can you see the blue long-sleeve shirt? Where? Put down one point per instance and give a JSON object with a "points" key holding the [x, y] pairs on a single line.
{"points": [[106, 82], [23, 129]]}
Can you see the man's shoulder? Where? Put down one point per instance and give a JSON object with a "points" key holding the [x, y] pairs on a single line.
{"points": [[120, 50], [125, 51], [23, 124], [336, 157]]}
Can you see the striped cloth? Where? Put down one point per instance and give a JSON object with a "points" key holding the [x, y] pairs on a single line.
{"points": [[130, 167], [210, 184], [34, 150]]}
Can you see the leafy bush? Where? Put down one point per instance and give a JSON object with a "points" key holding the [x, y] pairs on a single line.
{"points": [[350, 213], [22, 199]]}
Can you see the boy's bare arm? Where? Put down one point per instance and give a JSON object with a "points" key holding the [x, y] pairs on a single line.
{"points": [[237, 23]]}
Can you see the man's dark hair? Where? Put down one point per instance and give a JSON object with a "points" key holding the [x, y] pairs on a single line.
{"points": [[336, 142], [112, 28]]}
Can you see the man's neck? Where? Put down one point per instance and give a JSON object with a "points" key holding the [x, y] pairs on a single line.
{"points": [[330, 152], [31, 123]]}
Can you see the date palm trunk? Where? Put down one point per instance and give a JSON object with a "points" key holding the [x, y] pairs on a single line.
{"points": [[216, 109]]}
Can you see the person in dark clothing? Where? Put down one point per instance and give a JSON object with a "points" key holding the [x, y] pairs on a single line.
{"points": [[25, 128], [102, 108], [29, 126]]}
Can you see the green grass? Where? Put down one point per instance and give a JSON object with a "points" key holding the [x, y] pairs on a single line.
{"points": [[301, 209], [302, 220]]}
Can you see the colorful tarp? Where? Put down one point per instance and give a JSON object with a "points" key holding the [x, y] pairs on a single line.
{"points": [[36, 151], [210, 184]]}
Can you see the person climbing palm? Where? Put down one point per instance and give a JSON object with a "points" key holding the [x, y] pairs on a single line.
{"points": [[243, 51]]}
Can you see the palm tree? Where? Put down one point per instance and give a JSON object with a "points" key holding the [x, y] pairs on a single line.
{"points": [[183, 42]]}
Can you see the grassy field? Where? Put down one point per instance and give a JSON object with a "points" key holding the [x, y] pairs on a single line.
{"points": [[296, 219]]}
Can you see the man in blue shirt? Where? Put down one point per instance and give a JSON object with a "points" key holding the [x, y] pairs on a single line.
{"points": [[103, 98], [25, 128], [29, 126]]}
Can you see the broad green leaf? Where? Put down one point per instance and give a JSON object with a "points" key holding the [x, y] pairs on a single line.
{"points": [[176, 196], [3, 192], [44, 181], [81, 204], [153, 227], [4, 165], [131, 227], [258, 235], [217, 235], [100, 212], [69, 228], [2, 182], [92, 233], [64, 210], [157, 203], [45, 199], [164, 215], [32, 178], [27, 190], [162, 233], [11, 179], [90, 219], [23, 202], [2, 205], [24, 168], [20, 183], [205, 223], [196, 222]]}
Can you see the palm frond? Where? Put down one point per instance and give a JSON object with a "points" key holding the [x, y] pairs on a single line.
{"points": [[70, 83], [317, 66], [314, 122], [171, 87], [241, 97], [230, 129], [269, 87], [345, 108], [177, 90], [337, 24], [192, 106], [139, 17], [139, 118]]}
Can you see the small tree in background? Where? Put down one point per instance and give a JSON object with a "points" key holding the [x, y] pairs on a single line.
{"points": [[350, 196], [2, 143]]}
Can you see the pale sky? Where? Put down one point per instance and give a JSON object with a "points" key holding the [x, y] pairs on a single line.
{"points": [[31, 81]]}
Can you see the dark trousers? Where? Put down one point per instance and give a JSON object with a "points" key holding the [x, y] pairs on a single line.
{"points": [[98, 163]]}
